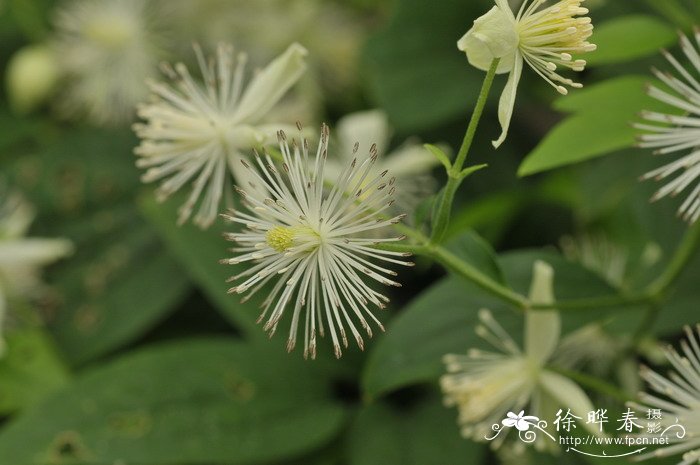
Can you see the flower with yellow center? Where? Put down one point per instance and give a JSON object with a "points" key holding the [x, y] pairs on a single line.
{"points": [[547, 39], [485, 386], [315, 245], [198, 132]]}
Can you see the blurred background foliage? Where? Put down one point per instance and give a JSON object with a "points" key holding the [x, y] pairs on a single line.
{"points": [[136, 354]]}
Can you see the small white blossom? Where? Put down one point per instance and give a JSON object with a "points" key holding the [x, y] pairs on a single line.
{"points": [[198, 132], [547, 39], [484, 386], [22, 258], [682, 388], [674, 133], [105, 50], [310, 243]]}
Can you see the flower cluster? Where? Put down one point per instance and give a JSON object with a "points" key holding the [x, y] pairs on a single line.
{"points": [[547, 39], [673, 133], [484, 385], [106, 50], [311, 244], [682, 387], [199, 132]]}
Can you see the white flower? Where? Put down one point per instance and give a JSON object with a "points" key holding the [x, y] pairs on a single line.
{"points": [[410, 163], [597, 253], [198, 132], [682, 387], [21, 258], [670, 134], [546, 39], [310, 243], [105, 49], [484, 386]]}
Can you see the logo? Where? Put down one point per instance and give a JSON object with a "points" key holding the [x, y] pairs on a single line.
{"points": [[632, 432]]}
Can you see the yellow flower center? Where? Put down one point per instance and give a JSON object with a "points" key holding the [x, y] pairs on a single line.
{"points": [[280, 238]]}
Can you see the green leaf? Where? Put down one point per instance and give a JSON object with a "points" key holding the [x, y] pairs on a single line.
{"points": [[187, 402], [423, 433], [630, 37], [199, 252], [442, 320], [423, 80], [117, 286], [120, 282], [472, 248], [29, 370], [440, 155], [601, 124]]}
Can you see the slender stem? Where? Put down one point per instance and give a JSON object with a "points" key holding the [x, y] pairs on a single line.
{"points": [[454, 174], [602, 303], [469, 272], [476, 117], [596, 384], [684, 253]]}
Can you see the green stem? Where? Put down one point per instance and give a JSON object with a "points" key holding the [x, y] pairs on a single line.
{"points": [[684, 253], [596, 384], [454, 175], [467, 271]]}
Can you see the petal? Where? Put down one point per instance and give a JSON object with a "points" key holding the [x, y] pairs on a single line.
{"points": [[542, 328], [509, 422], [408, 160], [492, 36], [569, 395], [33, 252], [270, 84], [367, 128], [507, 102]]}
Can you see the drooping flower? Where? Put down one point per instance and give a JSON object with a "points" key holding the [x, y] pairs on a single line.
{"points": [[410, 163], [22, 258], [547, 39], [310, 243], [484, 386], [105, 50], [674, 133], [682, 388], [198, 132]]}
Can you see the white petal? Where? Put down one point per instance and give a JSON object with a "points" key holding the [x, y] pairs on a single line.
{"points": [[507, 102], [270, 84], [569, 395], [33, 252], [367, 128], [492, 36], [409, 160], [542, 328]]}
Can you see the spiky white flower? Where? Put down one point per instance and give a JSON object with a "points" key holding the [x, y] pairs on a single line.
{"points": [[674, 133], [198, 132], [410, 163], [21, 258], [547, 39], [310, 243], [484, 386], [105, 50], [682, 388]]}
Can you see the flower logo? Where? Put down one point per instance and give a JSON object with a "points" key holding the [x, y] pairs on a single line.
{"points": [[519, 421]]}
